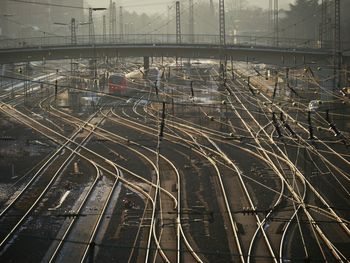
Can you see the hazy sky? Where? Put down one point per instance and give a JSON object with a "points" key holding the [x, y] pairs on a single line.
{"points": [[160, 5]]}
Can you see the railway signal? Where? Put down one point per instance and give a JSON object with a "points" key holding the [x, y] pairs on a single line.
{"points": [[286, 125], [332, 125], [311, 132], [56, 88], [274, 91], [162, 124], [275, 123], [192, 92]]}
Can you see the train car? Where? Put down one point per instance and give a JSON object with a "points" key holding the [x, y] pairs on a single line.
{"points": [[117, 83]]}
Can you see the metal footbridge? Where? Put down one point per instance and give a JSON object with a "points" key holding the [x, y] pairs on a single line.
{"points": [[285, 52]]}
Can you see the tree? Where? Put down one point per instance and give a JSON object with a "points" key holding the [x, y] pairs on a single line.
{"points": [[302, 20]]}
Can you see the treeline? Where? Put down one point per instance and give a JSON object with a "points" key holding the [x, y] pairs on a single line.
{"points": [[304, 20]]}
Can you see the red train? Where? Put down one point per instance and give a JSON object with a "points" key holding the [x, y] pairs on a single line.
{"points": [[117, 83]]}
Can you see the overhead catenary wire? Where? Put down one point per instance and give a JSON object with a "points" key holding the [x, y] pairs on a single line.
{"points": [[87, 8]]}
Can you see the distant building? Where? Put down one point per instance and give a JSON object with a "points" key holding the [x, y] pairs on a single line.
{"points": [[23, 20], [3, 19]]}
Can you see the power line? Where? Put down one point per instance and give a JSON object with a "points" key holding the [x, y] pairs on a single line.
{"points": [[155, 19], [21, 24], [276, 22], [86, 8], [48, 4], [174, 18]]}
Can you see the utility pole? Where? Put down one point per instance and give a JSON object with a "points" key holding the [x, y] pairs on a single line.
{"points": [[191, 21], [168, 24], [178, 27], [270, 17], [92, 36], [74, 69], [73, 32], [104, 29], [73, 73], [337, 46], [275, 20], [178, 23], [222, 22], [323, 24], [114, 19], [91, 27], [121, 23], [110, 19]]}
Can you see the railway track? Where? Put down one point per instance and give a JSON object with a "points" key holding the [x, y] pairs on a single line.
{"points": [[214, 141]]}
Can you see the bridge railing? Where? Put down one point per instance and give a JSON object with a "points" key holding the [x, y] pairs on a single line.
{"points": [[147, 39]]}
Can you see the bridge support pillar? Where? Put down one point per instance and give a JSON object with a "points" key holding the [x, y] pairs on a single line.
{"points": [[2, 72], [346, 76], [146, 64]]}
